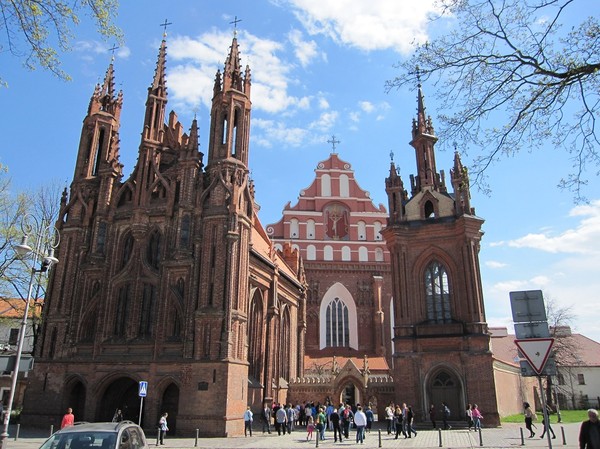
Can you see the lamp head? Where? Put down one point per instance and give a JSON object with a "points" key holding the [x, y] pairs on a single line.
{"points": [[23, 248], [49, 260]]}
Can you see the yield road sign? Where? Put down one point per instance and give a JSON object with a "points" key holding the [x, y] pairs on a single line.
{"points": [[143, 390], [536, 351]]}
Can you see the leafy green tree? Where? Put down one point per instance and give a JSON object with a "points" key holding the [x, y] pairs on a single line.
{"points": [[37, 31], [512, 76]]}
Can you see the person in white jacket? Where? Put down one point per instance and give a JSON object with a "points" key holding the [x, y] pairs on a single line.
{"points": [[360, 421]]}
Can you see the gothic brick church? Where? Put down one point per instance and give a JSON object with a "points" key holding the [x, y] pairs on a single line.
{"points": [[169, 277]]}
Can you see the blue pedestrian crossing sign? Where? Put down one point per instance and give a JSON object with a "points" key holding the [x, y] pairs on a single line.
{"points": [[143, 390]]}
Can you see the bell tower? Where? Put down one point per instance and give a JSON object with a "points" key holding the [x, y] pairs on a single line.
{"points": [[441, 341]]}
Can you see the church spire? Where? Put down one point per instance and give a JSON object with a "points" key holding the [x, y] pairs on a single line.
{"points": [[397, 195], [460, 183], [99, 142], [157, 99], [423, 141]]}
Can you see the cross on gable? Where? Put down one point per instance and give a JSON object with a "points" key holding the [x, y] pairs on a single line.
{"points": [[333, 142]]}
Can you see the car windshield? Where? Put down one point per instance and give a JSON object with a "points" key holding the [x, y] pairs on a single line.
{"points": [[80, 440]]}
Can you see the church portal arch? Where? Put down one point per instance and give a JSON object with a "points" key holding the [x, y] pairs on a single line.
{"points": [[169, 403], [75, 397], [443, 384], [122, 394]]}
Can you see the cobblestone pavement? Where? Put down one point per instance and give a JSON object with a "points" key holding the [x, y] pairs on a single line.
{"points": [[507, 436]]}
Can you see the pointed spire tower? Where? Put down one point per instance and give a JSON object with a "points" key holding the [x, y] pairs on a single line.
{"points": [[434, 241], [228, 201], [99, 142], [156, 102], [423, 141], [230, 113]]}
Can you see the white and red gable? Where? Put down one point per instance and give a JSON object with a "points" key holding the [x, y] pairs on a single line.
{"points": [[334, 219]]}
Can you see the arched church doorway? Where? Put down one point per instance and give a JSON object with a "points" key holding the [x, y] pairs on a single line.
{"points": [[121, 394], [75, 399], [349, 394], [444, 386], [170, 405]]}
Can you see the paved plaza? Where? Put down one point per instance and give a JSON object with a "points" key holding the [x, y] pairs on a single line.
{"points": [[507, 436]]}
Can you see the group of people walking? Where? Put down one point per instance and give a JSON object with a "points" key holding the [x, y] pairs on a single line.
{"points": [[400, 420]]}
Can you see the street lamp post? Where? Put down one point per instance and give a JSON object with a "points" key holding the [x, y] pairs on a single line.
{"points": [[47, 239]]}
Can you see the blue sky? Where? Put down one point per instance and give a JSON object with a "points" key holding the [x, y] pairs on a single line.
{"points": [[318, 69]]}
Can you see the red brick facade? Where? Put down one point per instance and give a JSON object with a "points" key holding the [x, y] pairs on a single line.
{"points": [[167, 276]]}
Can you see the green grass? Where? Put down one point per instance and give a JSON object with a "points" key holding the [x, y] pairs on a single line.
{"points": [[567, 416]]}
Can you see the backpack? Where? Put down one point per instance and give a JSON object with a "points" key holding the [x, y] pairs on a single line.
{"points": [[446, 411], [346, 413]]}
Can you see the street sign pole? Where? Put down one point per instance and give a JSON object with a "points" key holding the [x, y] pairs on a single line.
{"points": [[142, 392], [141, 408], [546, 416]]}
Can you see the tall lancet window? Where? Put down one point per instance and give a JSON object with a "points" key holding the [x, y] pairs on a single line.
{"points": [[437, 292], [338, 330]]}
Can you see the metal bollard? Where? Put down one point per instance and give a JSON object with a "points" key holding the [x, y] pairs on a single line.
{"points": [[17, 433], [318, 436], [480, 438], [379, 432], [562, 431], [51, 429], [157, 435], [522, 439], [197, 433], [440, 435]]}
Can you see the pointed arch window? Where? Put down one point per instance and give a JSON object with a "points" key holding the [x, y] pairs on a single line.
{"points": [[184, 236], [147, 313], [127, 250], [153, 250], [122, 312], [437, 293], [337, 332]]}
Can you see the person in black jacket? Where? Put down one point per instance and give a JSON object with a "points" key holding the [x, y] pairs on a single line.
{"points": [[335, 422], [589, 434]]}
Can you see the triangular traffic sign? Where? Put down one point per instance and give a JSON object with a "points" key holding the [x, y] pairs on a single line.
{"points": [[536, 351]]}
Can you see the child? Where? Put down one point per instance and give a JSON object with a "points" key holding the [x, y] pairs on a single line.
{"points": [[310, 427]]}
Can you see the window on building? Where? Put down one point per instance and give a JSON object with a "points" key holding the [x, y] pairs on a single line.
{"points": [[344, 186], [362, 230], [153, 251], [363, 254], [310, 229], [581, 379], [377, 230], [437, 293], [311, 252], [346, 254], [328, 253], [13, 338], [325, 185], [294, 228], [561, 379], [337, 326], [378, 255]]}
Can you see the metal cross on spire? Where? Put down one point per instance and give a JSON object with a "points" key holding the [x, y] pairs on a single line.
{"points": [[165, 24], [235, 21], [392, 156], [418, 73], [333, 143], [113, 49]]}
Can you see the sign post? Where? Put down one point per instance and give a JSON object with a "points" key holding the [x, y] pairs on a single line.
{"points": [[142, 392], [533, 341]]}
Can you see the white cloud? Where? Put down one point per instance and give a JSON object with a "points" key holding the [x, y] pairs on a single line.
{"points": [[494, 264], [581, 240], [372, 25], [269, 131], [325, 121], [366, 106], [305, 51], [196, 60]]}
